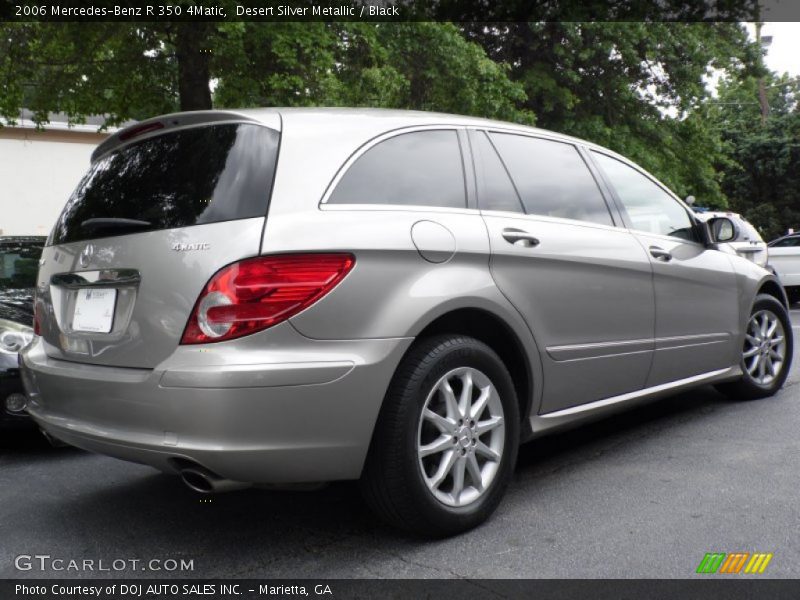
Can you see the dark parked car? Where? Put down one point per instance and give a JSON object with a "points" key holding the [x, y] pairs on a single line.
{"points": [[19, 261]]}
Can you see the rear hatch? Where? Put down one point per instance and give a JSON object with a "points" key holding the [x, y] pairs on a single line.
{"points": [[165, 205]]}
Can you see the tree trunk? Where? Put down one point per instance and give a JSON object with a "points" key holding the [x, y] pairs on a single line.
{"points": [[762, 92], [193, 51]]}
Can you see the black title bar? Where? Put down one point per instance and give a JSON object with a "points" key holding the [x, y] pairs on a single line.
{"points": [[702, 588], [494, 11]]}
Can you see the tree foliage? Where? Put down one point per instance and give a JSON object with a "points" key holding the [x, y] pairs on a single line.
{"points": [[630, 86], [762, 174], [80, 69], [637, 87], [136, 70]]}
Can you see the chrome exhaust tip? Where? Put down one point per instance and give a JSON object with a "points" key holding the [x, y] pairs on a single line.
{"points": [[204, 481]]}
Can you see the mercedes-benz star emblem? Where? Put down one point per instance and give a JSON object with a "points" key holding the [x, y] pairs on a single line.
{"points": [[86, 255]]}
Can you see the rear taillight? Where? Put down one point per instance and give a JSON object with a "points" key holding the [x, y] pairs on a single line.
{"points": [[257, 293]]}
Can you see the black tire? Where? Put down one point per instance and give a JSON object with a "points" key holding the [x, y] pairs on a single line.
{"points": [[392, 482], [747, 388]]}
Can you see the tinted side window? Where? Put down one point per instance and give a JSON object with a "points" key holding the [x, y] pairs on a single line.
{"points": [[188, 177], [649, 207], [422, 168], [552, 178], [497, 192]]}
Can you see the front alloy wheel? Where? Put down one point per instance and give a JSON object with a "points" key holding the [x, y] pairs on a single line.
{"points": [[766, 352], [764, 348]]}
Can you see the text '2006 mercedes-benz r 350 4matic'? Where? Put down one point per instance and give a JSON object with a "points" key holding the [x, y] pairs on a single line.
{"points": [[285, 296]]}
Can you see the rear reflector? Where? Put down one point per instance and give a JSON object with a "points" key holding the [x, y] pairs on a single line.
{"points": [[257, 293]]}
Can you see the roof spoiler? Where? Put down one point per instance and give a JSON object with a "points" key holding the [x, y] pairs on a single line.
{"points": [[164, 123]]}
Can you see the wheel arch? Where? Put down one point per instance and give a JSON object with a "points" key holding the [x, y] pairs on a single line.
{"points": [[772, 287], [496, 333]]}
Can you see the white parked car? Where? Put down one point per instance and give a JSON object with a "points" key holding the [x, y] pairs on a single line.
{"points": [[747, 241], [784, 258]]}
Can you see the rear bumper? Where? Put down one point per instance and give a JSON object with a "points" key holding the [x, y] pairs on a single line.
{"points": [[304, 413]]}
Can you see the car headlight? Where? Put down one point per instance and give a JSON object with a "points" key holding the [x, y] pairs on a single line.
{"points": [[14, 336]]}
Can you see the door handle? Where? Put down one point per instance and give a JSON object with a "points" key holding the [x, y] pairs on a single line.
{"points": [[660, 254], [520, 238]]}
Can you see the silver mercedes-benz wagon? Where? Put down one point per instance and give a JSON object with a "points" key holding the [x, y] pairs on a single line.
{"points": [[293, 296]]}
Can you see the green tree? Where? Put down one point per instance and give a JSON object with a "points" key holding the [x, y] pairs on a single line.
{"points": [[762, 174], [123, 70], [630, 86], [636, 87], [427, 66], [136, 70]]}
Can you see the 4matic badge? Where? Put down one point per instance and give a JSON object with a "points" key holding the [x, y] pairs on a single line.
{"points": [[188, 247]]}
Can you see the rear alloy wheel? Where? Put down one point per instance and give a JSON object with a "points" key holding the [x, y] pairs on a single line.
{"points": [[461, 437], [766, 353], [446, 440]]}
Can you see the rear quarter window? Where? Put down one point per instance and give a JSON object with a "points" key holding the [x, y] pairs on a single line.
{"points": [[188, 177], [422, 168]]}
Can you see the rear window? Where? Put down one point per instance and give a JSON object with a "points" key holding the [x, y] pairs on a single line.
{"points": [[189, 177]]}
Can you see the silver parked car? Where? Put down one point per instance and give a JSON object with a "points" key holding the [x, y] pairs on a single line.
{"points": [[282, 296]]}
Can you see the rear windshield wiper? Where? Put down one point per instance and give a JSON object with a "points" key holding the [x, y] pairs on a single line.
{"points": [[114, 225]]}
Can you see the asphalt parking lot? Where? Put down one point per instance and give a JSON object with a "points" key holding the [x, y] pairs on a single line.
{"points": [[644, 494]]}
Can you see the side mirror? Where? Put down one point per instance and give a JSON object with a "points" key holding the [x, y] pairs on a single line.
{"points": [[723, 229], [690, 200]]}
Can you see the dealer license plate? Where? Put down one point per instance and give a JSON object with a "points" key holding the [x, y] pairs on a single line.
{"points": [[94, 310]]}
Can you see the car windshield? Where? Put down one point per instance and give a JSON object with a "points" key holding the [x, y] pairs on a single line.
{"points": [[19, 262]]}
